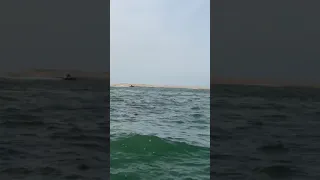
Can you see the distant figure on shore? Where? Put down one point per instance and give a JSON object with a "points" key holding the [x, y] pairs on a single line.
{"points": [[131, 86], [68, 77]]}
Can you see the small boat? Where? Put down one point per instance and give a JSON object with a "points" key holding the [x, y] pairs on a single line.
{"points": [[131, 86], [68, 77]]}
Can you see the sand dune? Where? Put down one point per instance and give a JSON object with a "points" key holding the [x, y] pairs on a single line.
{"points": [[156, 86]]}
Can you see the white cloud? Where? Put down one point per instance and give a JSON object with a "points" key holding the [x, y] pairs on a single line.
{"points": [[160, 42]]}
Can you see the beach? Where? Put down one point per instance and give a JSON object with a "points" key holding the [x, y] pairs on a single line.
{"points": [[158, 86]]}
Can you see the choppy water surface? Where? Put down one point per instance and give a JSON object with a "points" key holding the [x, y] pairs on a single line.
{"points": [[265, 133], [53, 129], [159, 134]]}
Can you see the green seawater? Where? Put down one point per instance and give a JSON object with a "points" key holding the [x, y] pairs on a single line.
{"points": [[159, 133]]}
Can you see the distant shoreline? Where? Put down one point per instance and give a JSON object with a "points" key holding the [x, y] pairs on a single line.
{"points": [[158, 86], [54, 74], [268, 85], [259, 82]]}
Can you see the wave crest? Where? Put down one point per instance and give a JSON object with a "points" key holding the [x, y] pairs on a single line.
{"points": [[146, 144]]}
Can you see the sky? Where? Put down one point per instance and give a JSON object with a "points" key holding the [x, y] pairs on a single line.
{"points": [[160, 42], [57, 34], [273, 40]]}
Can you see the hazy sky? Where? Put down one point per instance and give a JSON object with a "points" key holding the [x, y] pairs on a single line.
{"points": [[160, 42], [68, 34], [276, 40]]}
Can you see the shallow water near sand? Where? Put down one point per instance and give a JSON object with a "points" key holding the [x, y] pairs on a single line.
{"points": [[53, 129], [159, 133], [265, 133]]}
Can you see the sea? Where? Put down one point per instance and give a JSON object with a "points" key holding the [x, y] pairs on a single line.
{"points": [[159, 134], [260, 132], [54, 129]]}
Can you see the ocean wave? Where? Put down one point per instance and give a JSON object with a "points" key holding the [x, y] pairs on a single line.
{"points": [[150, 157], [148, 144], [53, 130]]}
